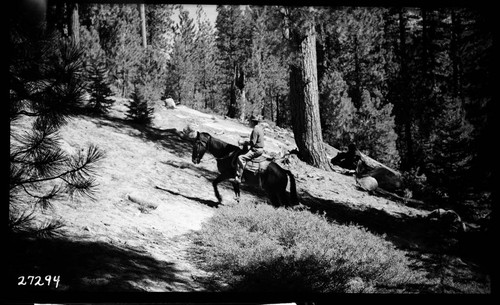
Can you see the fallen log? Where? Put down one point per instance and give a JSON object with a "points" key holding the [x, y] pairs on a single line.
{"points": [[406, 201]]}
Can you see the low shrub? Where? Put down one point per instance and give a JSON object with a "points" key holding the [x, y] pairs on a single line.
{"points": [[261, 248]]}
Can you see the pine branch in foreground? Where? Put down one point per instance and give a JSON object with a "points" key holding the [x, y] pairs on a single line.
{"points": [[47, 83]]}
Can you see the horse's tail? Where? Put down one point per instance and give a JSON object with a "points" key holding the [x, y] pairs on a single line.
{"points": [[293, 189]]}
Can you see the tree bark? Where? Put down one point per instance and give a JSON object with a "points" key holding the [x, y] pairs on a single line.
{"points": [[409, 160], [357, 91], [278, 119], [232, 107], [142, 11], [454, 51], [243, 104], [74, 23], [240, 84], [304, 100]]}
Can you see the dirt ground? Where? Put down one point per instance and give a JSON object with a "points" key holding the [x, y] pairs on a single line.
{"points": [[134, 237]]}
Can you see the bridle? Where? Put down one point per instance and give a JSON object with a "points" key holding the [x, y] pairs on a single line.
{"points": [[207, 146], [200, 144]]}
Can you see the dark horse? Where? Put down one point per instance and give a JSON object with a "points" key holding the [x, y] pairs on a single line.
{"points": [[273, 179]]}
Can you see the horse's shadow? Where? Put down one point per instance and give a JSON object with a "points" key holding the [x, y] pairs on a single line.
{"points": [[200, 171], [210, 203], [250, 182]]}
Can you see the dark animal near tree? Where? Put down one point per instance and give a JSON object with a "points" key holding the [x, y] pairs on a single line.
{"points": [[348, 159], [386, 179], [273, 179]]}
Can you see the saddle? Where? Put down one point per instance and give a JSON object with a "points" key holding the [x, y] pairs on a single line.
{"points": [[259, 164]]}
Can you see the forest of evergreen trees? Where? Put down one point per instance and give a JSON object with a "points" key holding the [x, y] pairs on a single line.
{"points": [[412, 87]]}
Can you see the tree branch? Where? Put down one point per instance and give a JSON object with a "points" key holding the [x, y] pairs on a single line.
{"points": [[24, 112], [60, 176]]}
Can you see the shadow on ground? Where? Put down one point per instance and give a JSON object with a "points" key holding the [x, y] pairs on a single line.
{"points": [[412, 234], [168, 138], [210, 203], [86, 266], [409, 233]]}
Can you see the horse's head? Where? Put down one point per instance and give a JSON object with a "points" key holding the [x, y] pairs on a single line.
{"points": [[200, 146]]}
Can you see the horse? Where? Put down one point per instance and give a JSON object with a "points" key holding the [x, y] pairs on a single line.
{"points": [[273, 179], [385, 178]]}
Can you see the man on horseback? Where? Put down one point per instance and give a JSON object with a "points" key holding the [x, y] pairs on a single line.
{"points": [[256, 144]]}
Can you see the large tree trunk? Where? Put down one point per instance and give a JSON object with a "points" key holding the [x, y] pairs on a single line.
{"points": [[232, 107], [409, 158], [278, 118], [454, 51], [304, 100], [357, 91], [142, 11], [74, 23], [243, 104], [240, 84], [237, 92]]}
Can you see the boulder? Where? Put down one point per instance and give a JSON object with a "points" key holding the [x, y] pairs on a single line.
{"points": [[367, 183], [169, 103]]}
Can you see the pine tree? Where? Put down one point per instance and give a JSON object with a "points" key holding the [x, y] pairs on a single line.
{"points": [[45, 85], [138, 109], [359, 55], [120, 38], [450, 161], [205, 56], [477, 87], [233, 41], [159, 23], [374, 130], [181, 82], [100, 92], [304, 91], [255, 81], [266, 70], [276, 106], [275, 68], [337, 110], [91, 46], [354, 65]]}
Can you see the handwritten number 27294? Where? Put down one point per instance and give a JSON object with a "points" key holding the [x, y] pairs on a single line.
{"points": [[32, 280]]}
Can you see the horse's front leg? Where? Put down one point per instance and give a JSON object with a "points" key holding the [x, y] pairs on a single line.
{"points": [[218, 180], [216, 190]]}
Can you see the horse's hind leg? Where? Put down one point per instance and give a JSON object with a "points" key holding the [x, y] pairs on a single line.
{"points": [[273, 197], [282, 198], [236, 187]]}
